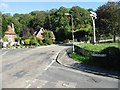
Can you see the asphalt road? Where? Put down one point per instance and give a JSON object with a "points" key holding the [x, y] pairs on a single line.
{"points": [[37, 68]]}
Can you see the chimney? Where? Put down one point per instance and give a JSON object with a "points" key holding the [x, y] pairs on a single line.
{"points": [[12, 26]]}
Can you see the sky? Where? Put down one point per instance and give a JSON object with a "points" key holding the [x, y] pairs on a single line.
{"points": [[27, 7]]}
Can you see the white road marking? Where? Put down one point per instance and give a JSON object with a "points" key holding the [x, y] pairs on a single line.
{"points": [[28, 85], [4, 53], [49, 65]]}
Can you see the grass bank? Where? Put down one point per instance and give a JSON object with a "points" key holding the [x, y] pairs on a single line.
{"points": [[98, 47], [78, 57]]}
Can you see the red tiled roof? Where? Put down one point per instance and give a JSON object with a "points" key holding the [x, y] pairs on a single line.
{"points": [[10, 31]]}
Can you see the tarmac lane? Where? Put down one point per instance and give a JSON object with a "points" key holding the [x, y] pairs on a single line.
{"points": [[37, 68]]}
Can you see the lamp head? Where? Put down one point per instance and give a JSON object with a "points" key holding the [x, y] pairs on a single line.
{"points": [[67, 14], [93, 13]]}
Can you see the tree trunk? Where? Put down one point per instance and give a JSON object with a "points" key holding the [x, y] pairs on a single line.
{"points": [[114, 36]]}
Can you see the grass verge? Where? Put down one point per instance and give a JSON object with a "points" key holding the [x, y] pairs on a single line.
{"points": [[98, 47], [78, 57]]}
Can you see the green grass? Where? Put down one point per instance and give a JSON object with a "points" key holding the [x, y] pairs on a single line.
{"points": [[98, 47], [78, 57]]}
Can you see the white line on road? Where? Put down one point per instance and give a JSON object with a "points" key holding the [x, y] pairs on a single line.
{"points": [[49, 65], [4, 53]]}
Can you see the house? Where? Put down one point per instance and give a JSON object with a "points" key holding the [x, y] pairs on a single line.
{"points": [[39, 33], [10, 35]]}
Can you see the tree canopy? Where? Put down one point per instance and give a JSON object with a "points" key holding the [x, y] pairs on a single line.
{"points": [[107, 21], [60, 24]]}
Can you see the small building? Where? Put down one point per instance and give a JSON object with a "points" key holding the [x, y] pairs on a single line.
{"points": [[39, 33], [10, 34]]}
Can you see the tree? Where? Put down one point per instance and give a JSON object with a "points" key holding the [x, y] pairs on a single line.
{"points": [[38, 19], [4, 24], [58, 23], [107, 22], [54, 20], [27, 32], [82, 21], [48, 37]]}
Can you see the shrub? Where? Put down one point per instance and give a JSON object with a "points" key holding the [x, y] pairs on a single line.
{"points": [[48, 37], [27, 41], [66, 41], [111, 60], [112, 57], [40, 41], [48, 41], [33, 41], [17, 38]]}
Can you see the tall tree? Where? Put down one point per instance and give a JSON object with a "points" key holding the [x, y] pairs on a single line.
{"points": [[38, 19], [4, 24], [107, 22]]}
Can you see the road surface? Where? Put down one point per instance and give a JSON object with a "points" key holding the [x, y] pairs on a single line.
{"points": [[37, 68]]}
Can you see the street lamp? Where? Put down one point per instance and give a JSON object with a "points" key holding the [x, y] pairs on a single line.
{"points": [[67, 14], [94, 16]]}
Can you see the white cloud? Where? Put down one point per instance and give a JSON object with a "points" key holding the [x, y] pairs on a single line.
{"points": [[3, 5]]}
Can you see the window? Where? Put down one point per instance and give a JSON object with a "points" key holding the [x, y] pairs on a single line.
{"points": [[9, 38]]}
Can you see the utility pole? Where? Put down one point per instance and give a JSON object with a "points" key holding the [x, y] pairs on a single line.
{"points": [[67, 14], [94, 16]]}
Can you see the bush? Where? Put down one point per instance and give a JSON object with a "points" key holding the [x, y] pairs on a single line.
{"points": [[78, 57], [111, 60], [40, 41], [48, 37], [17, 38], [27, 41], [33, 41], [66, 41], [48, 41]]}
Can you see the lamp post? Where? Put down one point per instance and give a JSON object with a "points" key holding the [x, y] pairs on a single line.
{"points": [[67, 14], [94, 16]]}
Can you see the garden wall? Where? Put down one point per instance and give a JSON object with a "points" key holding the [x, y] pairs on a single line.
{"points": [[82, 51]]}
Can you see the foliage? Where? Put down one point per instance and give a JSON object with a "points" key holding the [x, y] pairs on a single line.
{"points": [[40, 42], [27, 41], [112, 58], [17, 38], [111, 50], [107, 21], [78, 57], [38, 19], [33, 40], [60, 24], [48, 41], [98, 47], [27, 32], [4, 24], [48, 37]]}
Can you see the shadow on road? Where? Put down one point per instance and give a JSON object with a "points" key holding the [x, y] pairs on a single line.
{"points": [[86, 67], [64, 44]]}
